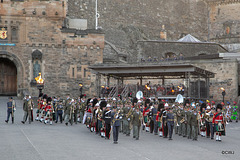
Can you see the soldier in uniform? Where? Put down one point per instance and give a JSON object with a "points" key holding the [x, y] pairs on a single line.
{"points": [[49, 111], [82, 108], [27, 108], [115, 118], [178, 119], [202, 120], [10, 109], [154, 115], [219, 122], [164, 120], [208, 121], [107, 119], [170, 122], [39, 109], [184, 122], [145, 114], [101, 129], [59, 111], [42, 107], [195, 117], [126, 118], [67, 109], [137, 121], [189, 125]]}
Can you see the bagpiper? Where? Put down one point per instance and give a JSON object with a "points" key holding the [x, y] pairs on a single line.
{"points": [[219, 122], [145, 115], [39, 109], [49, 111]]}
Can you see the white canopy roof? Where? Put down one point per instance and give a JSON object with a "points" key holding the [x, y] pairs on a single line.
{"points": [[189, 38]]}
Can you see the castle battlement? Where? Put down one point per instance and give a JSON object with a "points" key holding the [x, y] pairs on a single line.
{"points": [[34, 8]]}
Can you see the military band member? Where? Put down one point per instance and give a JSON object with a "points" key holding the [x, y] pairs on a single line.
{"points": [[195, 117], [178, 119], [67, 108], [59, 111], [235, 112], [208, 121], [137, 121], [49, 111], [189, 125], [107, 119], [170, 122], [158, 118], [10, 109], [145, 115], [39, 109], [27, 108], [82, 108], [101, 123], [115, 118], [219, 122], [154, 113], [127, 113], [202, 120], [184, 122], [42, 107], [164, 120]]}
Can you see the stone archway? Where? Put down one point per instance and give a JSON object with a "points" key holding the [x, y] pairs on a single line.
{"points": [[12, 60]]}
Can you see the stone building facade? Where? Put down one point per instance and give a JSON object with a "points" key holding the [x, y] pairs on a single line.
{"points": [[38, 40]]}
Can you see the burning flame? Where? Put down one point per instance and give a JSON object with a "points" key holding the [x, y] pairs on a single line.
{"points": [[39, 79], [222, 89]]}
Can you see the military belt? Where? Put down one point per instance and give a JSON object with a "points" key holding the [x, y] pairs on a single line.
{"points": [[170, 119], [9, 107]]}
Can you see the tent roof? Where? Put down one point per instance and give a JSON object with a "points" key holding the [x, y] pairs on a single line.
{"points": [[189, 38]]}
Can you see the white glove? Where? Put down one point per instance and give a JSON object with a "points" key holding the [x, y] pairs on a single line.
{"points": [[120, 117], [128, 119]]}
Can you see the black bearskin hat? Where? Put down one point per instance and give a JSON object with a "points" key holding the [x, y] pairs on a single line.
{"points": [[89, 99], [160, 106], [45, 96], [203, 105], [49, 99], [103, 104], [95, 101], [219, 106], [135, 100]]}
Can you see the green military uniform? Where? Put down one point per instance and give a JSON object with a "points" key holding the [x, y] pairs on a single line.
{"points": [[137, 121], [184, 124], [67, 109], [82, 110], [27, 108], [179, 118], [189, 125], [194, 122], [126, 120]]}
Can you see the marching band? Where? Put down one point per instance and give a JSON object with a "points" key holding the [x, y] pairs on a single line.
{"points": [[110, 115]]}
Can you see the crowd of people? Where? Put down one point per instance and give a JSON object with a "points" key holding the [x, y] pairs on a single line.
{"points": [[121, 115]]}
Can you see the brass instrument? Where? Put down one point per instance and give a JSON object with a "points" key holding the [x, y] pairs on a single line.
{"points": [[115, 117], [129, 113]]}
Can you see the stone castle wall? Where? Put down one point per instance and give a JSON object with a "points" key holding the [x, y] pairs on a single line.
{"points": [[66, 53], [126, 21]]}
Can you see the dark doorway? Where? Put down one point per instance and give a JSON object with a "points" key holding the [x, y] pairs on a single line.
{"points": [[8, 78]]}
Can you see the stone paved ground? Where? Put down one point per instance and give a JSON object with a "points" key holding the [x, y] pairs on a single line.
{"points": [[44, 142]]}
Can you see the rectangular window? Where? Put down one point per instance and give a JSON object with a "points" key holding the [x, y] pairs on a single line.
{"points": [[1, 1], [73, 72], [84, 74]]}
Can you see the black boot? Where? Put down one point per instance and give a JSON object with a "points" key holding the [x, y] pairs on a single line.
{"points": [[6, 121], [12, 120]]}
